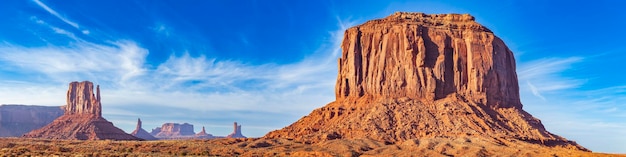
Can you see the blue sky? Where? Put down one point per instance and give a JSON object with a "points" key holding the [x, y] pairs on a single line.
{"points": [[265, 64]]}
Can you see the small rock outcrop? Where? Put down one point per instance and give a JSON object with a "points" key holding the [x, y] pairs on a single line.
{"points": [[173, 131], [236, 132], [82, 119], [141, 133], [415, 75], [203, 135], [16, 120]]}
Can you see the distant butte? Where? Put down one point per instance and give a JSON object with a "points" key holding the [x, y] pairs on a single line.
{"points": [[414, 75], [141, 133], [236, 132], [82, 119]]}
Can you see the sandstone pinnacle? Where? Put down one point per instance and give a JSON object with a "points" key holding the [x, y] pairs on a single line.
{"points": [[81, 99], [82, 119], [236, 132], [141, 133]]}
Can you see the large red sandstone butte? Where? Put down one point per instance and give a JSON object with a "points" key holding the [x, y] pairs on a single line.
{"points": [[82, 119], [413, 75]]}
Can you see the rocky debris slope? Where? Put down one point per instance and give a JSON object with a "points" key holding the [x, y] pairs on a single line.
{"points": [[82, 119], [236, 132], [16, 120], [141, 133], [413, 75]]}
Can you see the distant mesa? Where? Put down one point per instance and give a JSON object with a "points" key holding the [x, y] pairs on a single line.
{"points": [[179, 131], [173, 130], [415, 75], [82, 119], [16, 120], [236, 132], [141, 133]]}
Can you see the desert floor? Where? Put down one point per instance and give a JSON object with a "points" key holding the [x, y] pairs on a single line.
{"points": [[466, 146]]}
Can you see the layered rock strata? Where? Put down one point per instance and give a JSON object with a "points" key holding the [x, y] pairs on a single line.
{"points": [[415, 75], [82, 119], [16, 120]]}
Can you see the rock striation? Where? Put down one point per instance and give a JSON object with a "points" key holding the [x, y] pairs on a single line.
{"points": [[415, 75], [427, 57], [82, 119], [141, 133], [16, 120], [236, 132], [82, 100]]}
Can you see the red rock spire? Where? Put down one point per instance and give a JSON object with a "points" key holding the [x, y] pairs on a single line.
{"points": [[236, 132], [138, 124]]}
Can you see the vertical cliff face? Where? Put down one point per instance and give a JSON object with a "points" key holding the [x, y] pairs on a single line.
{"points": [[81, 99], [15, 120], [82, 119], [414, 75], [427, 57]]}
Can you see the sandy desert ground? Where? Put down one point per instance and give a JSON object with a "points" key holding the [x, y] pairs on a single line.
{"points": [[280, 147]]}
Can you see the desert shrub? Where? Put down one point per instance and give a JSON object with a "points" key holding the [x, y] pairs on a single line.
{"points": [[22, 150], [63, 149]]}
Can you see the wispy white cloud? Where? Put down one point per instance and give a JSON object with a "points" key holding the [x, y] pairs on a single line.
{"points": [[55, 29], [56, 14], [534, 90], [568, 108], [122, 60], [161, 29], [198, 85], [544, 75]]}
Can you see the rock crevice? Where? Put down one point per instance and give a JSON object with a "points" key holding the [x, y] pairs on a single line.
{"points": [[81, 99], [410, 55]]}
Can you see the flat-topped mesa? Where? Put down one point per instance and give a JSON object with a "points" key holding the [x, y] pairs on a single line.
{"points": [[82, 100], [427, 57], [412, 76], [443, 21], [173, 130]]}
